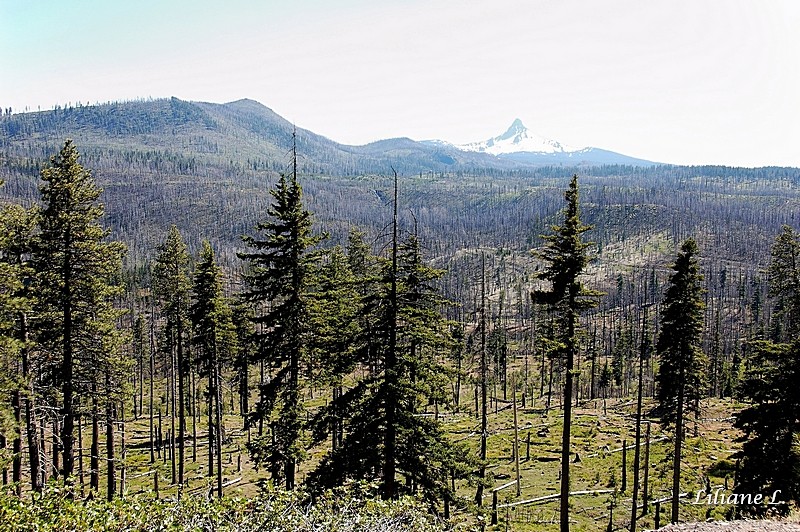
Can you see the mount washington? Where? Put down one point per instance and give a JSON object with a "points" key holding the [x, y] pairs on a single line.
{"points": [[519, 144]]}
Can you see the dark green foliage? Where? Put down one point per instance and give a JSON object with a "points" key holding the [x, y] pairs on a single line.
{"points": [[784, 284], [621, 356], [425, 456], [497, 346], [15, 228], [605, 379], [171, 288], [243, 330], [566, 257], [212, 318], [76, 270], [770, 454], [281, 265], [361, 261], [682, 364], [214, 337], [334, 315], [681, 373]]}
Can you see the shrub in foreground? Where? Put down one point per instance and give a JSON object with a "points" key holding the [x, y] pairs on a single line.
{"points": [[345, 509]]}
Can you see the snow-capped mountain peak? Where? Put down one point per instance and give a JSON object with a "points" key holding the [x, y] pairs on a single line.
{"points": [[520, 145], [516, 139], [516, 129]]}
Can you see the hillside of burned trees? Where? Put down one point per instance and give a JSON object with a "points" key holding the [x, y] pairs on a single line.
{"points": [[208, 169]]}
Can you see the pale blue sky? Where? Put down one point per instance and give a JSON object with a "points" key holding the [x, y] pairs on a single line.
{"points": [[687, 82]]}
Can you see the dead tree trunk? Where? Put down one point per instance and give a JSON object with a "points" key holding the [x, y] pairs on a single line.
{"points": [[484, 378]]}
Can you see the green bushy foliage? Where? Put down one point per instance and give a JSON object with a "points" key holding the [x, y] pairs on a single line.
{"points": [[345, 509]]}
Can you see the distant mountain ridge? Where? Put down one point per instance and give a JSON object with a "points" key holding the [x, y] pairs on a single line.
{"points": [[208, 168], [247, 134], [219, 137], [519, 144]]}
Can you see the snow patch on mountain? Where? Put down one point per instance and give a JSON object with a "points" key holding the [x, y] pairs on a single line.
{"points": [[518, 139], [520, 145]]}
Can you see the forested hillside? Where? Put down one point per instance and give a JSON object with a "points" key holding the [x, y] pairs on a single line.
{"points": [[203, 283], [203, 165]]}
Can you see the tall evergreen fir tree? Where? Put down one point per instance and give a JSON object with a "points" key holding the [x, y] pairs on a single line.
{"points": [[13, 378], [333, 317], [784, 284], [566, 257], [215, 340], [243, 325], [770, 454], [280, 270], [379, 403], [361, 261], [681, 372], [366, 277], [75, 267], [16, 299], [334, 314], [171, 286]]}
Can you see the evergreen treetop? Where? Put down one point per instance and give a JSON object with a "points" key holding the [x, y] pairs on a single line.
{"points": [[566, 256], [77, 274], [280, 277], [770, 453], [681, 361]]}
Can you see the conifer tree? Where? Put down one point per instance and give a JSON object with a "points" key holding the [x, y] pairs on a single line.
{"points": [[214, 337], [366, 277], [280, 267], [770, 454], [13, 303], [381, 409], [361, 261], [681, 362], [784, 283], [171, 286], [243, 326], [566, 257], [107, 373], [16, 298], [75, 267], [334, 318]]}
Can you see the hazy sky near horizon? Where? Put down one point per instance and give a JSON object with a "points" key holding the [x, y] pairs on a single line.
{"points": [[678, 81]]}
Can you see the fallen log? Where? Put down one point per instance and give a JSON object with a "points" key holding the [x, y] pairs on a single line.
{"points": [[546, 498]]}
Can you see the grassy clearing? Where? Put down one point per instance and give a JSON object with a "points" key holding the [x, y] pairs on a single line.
{"points": [[598, 435]]}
